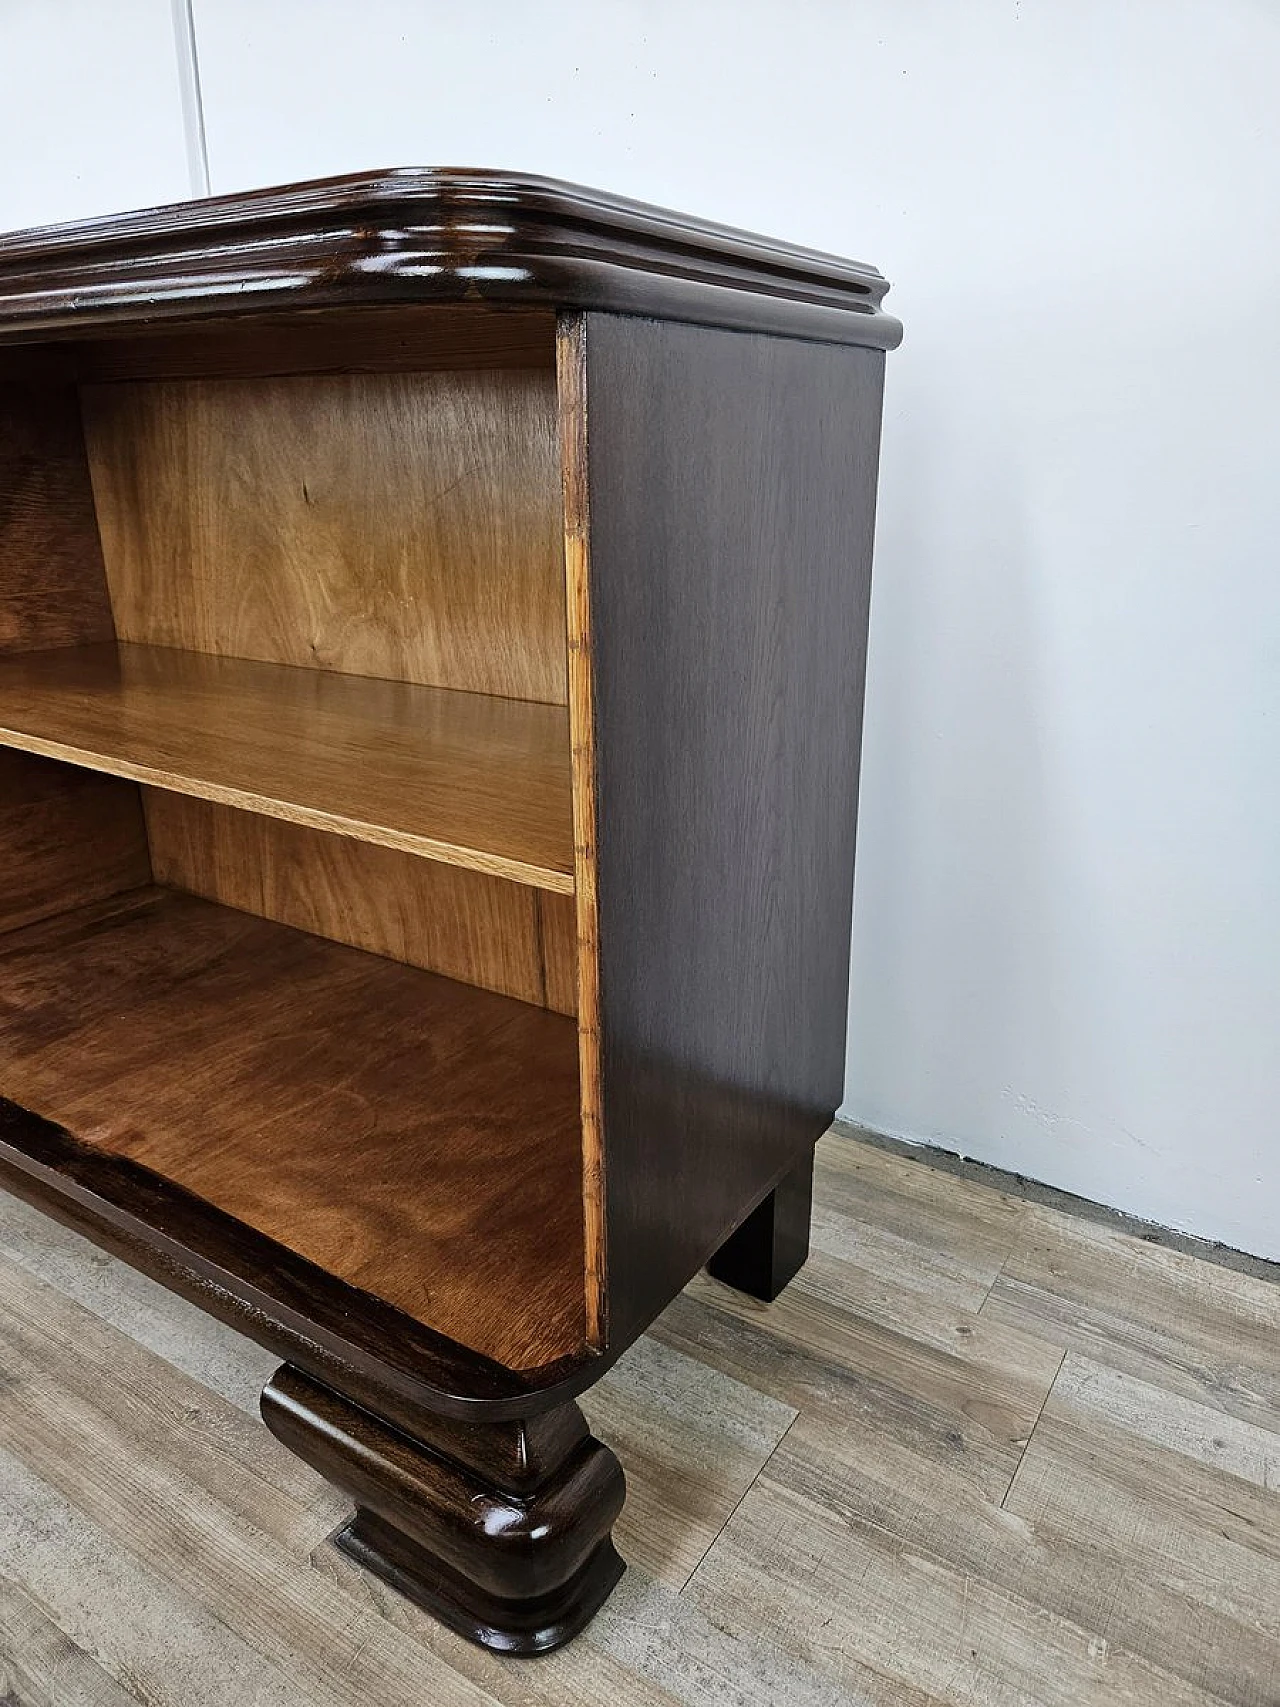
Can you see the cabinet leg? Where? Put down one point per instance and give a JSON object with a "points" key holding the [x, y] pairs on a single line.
{"points": [[500, 1530], [771, 1245]]}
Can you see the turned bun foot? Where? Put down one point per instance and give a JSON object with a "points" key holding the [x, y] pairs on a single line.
{"points": [[500, 1530]]}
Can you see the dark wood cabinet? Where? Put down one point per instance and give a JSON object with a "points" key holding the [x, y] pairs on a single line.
{"points": [[432, 619]]}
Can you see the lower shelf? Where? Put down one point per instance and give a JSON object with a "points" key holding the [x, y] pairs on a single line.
{"points": [[414, 1138]]}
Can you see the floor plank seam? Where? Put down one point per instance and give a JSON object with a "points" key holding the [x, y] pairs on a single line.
{"points": [[1031, 1432], [1138, 1564], [998, 1276], [697, 1566]]}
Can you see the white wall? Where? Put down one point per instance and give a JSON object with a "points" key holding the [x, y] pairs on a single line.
{"points": [[90, 115], [1067, 934]]}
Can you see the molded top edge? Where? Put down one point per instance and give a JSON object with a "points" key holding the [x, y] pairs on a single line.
{"points": [[426, 234]]}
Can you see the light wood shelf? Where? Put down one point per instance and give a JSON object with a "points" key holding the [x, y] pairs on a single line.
{"points": [[267, 1070], [465, 778]]}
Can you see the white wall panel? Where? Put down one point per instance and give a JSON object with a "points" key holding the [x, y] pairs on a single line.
{"points": [[90, 114]]}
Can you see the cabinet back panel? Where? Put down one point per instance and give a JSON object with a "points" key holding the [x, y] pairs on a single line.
{"points": [[403, 525], [467, 925], [53, 591], [67, 836]]}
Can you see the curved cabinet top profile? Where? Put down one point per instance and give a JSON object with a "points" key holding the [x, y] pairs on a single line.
{"points": [[419, 235]]}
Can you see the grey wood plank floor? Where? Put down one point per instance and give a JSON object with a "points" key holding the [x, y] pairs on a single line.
{"points": [[980, 1452]]}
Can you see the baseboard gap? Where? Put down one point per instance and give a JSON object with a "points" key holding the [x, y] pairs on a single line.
{"points": [[1035, 1191]]}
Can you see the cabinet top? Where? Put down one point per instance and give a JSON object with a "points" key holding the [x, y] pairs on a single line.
{"points": [[428, 235]]}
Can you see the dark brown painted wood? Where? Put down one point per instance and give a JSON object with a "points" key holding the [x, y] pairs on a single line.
{"points": [[413, 1136], [421, 235], [732, 483], [509, 1546], [770, 1247]]}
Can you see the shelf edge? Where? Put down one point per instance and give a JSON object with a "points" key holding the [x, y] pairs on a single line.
{"points": [[310, 817]]}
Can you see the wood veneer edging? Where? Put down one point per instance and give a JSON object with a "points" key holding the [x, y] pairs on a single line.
{"points": [[428, 235], [375, 1354], [572, 378]]}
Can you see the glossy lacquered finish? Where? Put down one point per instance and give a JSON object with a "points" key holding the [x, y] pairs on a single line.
{"points": [[425, 235], [501, 1530]]}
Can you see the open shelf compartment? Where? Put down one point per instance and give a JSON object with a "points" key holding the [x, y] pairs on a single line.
{"points": [[469, 779], [417, 1139], [288, 946]]}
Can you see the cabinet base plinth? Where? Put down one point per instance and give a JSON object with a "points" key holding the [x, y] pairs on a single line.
{"points": [[501, 1530], [534, 1626], [772, 1244]]}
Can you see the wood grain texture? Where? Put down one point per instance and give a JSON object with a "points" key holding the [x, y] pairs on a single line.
{"points": [[53, 591], [685, 1477], [174, 1535], [558, 935], [66, 837], [263, 1069], [469, 779], [963, 1400], [409, 339], [397, 525], [416, 234], [42, 1667], [381, 1358], [972, 1640], [571, 351], [162, 1532], [247, 1518], [462, 924], [732, 493], [767, 1250], [1159, 1316]]}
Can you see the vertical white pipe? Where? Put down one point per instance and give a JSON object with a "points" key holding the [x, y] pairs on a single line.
{"points": [[184, 40]]}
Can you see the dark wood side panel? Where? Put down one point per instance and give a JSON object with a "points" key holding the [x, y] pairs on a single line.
{"points": [[731, 492]]}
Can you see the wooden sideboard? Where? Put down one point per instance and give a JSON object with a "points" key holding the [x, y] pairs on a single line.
{"points": [[433, 608]]}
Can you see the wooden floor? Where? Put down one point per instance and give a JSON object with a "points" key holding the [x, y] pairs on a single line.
{"points": [[980, 1452]]}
